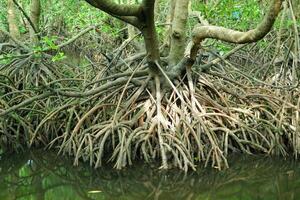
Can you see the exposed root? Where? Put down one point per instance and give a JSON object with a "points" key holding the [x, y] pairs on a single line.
{"points": [[183, 127], [127, 116]]}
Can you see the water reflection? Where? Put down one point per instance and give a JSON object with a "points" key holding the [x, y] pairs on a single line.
{"points": [[42, 175]]}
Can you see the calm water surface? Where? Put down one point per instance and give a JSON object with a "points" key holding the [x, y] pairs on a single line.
{"points": [[43, 175]]}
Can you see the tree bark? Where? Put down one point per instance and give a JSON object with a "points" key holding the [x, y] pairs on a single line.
{"points": [[113, 8], [35, 12], [169, 20], [178, 34], [12, 20], [130, 28], [296, 8], [150, 35], [142, 17]]}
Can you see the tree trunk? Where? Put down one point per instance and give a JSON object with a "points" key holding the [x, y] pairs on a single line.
{"points": [[296, 8], [12, 20], [150, 36], [169, 20], [35, 11], [178, 36], [130, 28]]}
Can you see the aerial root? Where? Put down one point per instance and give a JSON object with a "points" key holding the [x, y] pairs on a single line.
{"points": [[198, 121]]}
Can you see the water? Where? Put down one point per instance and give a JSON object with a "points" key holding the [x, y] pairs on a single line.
{"points": [[43, 175]]}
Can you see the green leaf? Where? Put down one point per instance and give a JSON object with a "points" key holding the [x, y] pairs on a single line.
{"points": [[58, 57]]}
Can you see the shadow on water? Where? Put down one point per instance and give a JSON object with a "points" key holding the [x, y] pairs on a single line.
{"points": [[42, 175]]}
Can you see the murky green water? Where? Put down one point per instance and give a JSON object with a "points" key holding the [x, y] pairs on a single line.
{"points": [[42, 175]]}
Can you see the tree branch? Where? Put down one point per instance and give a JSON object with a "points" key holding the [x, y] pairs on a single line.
{"points": [[200, 33], [134, 21], [228, 35], [238, 37], [113, 8]]}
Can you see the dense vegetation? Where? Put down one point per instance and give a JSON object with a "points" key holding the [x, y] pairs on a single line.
{"points": [[117, 81]]}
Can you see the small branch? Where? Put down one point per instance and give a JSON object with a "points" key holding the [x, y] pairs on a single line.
{"points": [[198, 15], [217, 60], [60, 46], [88, 29], [186, 62]]}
